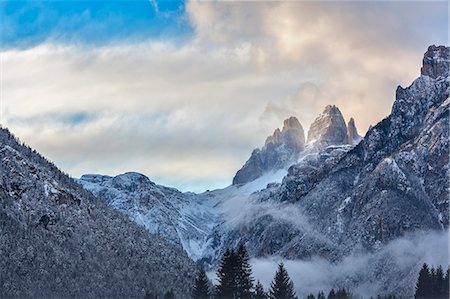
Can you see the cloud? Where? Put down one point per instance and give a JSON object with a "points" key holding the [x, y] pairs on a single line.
{"points": [[146, 107], [188, 112], [352, 54], [361, 273]]}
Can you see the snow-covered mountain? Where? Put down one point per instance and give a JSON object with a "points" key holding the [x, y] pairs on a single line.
{"points": [[189, 221], [285, 147], [280, 150], [331, 197], [57, 240], [391, 184], [184, 219], [204, 224]]}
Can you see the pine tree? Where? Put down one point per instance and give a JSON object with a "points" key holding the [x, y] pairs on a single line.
{"points": [[169, 295], [201, 289], [321, 295], [310, 296], [244, 279], [433, 290], [259, 291], [439, 283], [423, 286], [342, 294], [227, 276], [331, 294], [150, 295], [446, 285], [282, 287]]}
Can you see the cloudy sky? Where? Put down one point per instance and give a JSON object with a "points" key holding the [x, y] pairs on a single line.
{"points": [[183, 91]]}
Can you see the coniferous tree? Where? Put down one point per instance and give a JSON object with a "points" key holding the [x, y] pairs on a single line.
{"points": [[244, 279], [321, 295], [446, 285], [259, 291], [439, 283], [201, 289], [433, 289], [423, 286], [150, 295], [227, 276], [331, 294], [342, 294], [169, 295], [282, 287], [310, 296]]}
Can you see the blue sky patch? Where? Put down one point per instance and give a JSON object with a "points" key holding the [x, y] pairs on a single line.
{"points": [[28, 23]]}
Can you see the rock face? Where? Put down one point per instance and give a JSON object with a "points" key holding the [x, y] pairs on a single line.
{"points": [[279, 150], [183, 219], [436, 62], [352, 133], [394, 182], [59, 241], [344, 196], [328, 128]]}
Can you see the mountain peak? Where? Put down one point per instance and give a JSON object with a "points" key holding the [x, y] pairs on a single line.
{"points": [[329, 127], [291, 123], [281, 148], [331, 109], [436, 62], [352, 133]]}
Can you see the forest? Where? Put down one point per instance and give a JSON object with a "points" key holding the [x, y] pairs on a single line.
{"points": [[235, 280]]}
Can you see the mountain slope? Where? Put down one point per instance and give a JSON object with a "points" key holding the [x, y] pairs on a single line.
{"points": [[343, 196], [184, 219], [391, 184], [60, 241]]}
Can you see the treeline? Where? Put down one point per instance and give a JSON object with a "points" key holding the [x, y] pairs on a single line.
{"points": [[235, 281], [432, 283]]}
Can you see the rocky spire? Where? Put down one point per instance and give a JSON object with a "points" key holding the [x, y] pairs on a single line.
{"points": [[352, 133], [279, 150], [292, 135], [436, 62], [328, 128]]}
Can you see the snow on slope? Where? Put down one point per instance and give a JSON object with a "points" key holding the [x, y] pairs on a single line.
{"points": [[185, 219]]}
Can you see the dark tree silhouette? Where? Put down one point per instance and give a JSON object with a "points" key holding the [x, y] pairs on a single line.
{"points": [[150, 295], [423, 286], [282, 287], [227, 276], [201, 289], [446, 284], [343, 294], [331, 294], [169, 295], [259, 291], [321, 295], [439, 280], [432, 283], [244, 279]]}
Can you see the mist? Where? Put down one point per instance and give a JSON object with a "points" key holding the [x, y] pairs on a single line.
{"points": [[363, 273]]}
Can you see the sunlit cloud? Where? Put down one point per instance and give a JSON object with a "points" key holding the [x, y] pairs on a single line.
{"points": [[187, 112]]}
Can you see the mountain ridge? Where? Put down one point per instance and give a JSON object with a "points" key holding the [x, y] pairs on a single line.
{"points": [[61, 241], [347, 195]]}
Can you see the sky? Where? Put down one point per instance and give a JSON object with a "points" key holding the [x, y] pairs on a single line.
{"points": [[183, 91]]}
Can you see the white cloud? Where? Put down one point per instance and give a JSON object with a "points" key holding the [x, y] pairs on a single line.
{"points": [[192, 112]]}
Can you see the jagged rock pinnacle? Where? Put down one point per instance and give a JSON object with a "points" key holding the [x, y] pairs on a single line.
{"points": [[436, 62], [352, 133], [328, 128], [278, 151]]}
